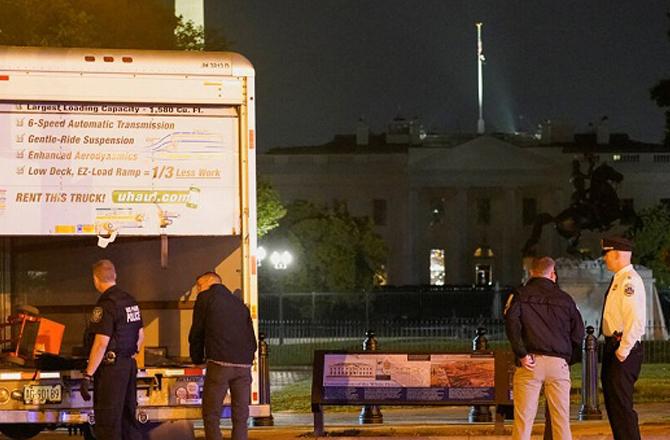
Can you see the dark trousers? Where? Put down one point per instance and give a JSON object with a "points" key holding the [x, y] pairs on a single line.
{"points": [[217, 381], [618, 379], [115, 401]]}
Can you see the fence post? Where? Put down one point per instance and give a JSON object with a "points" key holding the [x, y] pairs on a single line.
{"points": [[480, 413], [313, 305], [589, 409], [370, 413], [281, 316], [263, 382]]}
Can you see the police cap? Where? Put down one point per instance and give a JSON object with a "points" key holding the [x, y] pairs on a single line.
{"points": [[616, 243]]}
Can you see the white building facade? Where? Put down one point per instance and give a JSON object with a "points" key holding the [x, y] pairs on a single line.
{"points": [[456, 196]]}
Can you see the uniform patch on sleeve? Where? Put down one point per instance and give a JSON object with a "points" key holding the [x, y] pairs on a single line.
{"points": [[628, 289], [96, 315]]}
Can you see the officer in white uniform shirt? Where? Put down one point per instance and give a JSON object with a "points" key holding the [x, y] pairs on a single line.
{"points": [[623, 325]]}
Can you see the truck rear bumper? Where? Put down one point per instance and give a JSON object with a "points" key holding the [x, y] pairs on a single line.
{"points": [[145, 414]]}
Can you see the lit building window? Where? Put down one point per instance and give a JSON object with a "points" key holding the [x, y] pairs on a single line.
{"points": [[437, 271]]}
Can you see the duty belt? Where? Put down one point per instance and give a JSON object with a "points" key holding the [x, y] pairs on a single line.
{"points": [[111, 357], [229, 364]]}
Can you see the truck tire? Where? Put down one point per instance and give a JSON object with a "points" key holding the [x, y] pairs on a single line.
{"points": [[21, 431], [87, 431]]}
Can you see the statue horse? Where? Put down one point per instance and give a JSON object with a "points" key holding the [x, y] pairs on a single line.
{"points": [[596, 210]]}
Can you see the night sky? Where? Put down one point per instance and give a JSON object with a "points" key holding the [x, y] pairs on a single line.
{"points": [[322, 64]]}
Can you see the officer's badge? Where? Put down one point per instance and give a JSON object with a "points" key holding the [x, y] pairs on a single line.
{"points": [[628, 289], [96, 315]]}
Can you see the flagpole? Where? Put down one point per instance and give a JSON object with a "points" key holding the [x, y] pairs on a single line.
{"points": [[480, 78]]}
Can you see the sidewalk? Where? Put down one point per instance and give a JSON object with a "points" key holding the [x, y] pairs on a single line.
{"points": [[449, 423]]}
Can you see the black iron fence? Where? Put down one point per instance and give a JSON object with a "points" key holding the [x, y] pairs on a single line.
{"points": [[305, 331], [390, 303], [292, 342]]}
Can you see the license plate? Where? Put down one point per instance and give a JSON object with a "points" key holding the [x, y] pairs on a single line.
{"points": [[41, 394]]}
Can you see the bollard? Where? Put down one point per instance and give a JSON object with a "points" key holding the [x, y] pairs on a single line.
{"points": [[480, 344], [480, 413], [370, 413], [589, 409], [263, 382]]}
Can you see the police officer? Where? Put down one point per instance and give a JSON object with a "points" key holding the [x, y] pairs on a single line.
{"points": [[546, 331], [116, 323], [623, 325]]}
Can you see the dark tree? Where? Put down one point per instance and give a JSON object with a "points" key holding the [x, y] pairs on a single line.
{"points": [[652, 242], [661, 94], [114, 24], [270, 208], [333, 251]]}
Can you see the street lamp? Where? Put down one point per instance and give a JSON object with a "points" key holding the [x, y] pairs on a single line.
{"points": [[281, 260], [261, 253]]}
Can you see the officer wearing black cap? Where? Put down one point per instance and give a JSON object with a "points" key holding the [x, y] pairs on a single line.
{"points": [[116, 322], [623, 325]]}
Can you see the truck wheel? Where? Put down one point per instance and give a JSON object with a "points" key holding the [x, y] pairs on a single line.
{"points": [[87, 431], [21, 431], [146, 428]]}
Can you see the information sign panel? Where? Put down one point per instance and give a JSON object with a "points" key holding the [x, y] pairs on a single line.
{"points": [[407, 378]]}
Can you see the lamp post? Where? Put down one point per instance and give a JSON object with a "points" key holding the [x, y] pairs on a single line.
{"points": [[280, 260]]}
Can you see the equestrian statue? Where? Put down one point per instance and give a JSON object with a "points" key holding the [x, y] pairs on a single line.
{"points": [[592, 208]]}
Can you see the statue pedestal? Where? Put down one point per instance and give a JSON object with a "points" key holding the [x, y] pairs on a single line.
{"points": [[587, 280]]}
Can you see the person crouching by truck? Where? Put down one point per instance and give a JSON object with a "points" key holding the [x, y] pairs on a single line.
{"points": [[117, 334], [223, 335], [546, 331]]}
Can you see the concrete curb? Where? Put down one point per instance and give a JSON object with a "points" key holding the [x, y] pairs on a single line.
{"points": [[593, 431], [490, 437]]}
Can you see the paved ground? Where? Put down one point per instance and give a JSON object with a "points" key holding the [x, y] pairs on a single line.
{"points": [[425, 423]]}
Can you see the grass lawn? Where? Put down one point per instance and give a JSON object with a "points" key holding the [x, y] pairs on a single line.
{"points": [[653, 386]]}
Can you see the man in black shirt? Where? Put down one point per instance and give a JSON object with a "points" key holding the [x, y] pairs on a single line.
{"points": [[222, 333], [546, 331], [116, 323]]}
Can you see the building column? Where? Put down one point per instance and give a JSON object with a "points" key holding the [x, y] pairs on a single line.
{"points": [[412, 264], [511, 241], [458, 251]]}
